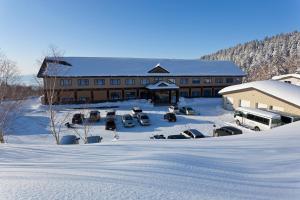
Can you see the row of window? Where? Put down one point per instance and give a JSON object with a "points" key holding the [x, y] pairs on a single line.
{"points": [[183, 81]]}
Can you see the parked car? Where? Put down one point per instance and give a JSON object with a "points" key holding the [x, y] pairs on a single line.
{"points": [[135, 111], [110, 125], [143, 119], [174, 109], [158, 137], [177, 137], [127, 121], [187, 110], [93, 139], [94, 116], [77, 118], [171, 117], [192, 133], [110, 114], [69, 139], [227, 130]]}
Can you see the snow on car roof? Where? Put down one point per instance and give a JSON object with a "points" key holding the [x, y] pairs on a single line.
{"points": [[258, 112], [114, 66], [285, 91]]}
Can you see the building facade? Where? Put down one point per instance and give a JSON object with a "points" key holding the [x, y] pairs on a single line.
{"points": [[270, 95], [80, 80]]}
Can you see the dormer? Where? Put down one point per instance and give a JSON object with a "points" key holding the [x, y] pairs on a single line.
{"points": [[158, 69]]}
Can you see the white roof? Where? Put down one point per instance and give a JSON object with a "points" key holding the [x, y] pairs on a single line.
{"points": [[259, 112], [281, 90], [162, 85], [109, 66], [286, 76]]}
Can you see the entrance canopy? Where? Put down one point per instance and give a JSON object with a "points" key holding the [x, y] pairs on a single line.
{"points": [[162, 85]]}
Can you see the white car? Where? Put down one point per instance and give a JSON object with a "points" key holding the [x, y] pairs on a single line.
{"points": [[174, 109], [192, 133], [135, 111]]}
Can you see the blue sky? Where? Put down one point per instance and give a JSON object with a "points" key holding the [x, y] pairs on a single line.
{"points": [[137, 28]]}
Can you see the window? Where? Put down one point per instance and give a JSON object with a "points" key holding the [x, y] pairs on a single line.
{"points": [[129, 81], [196, 81], [288, 82], [219, 80], [158, 78], [258, 119], [184, 94], [83, 82], [207, 92], [196, 93], [83, 99], [207, 80], [130, 95], [99, 82], [67, 99], [229, 80], [144, 81], [184, 81], [115, 81], [172, 80], [65, 82], [115, 95]]}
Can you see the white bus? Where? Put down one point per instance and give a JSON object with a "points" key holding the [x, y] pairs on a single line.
{"points": [[256, 119], [286, 118]]}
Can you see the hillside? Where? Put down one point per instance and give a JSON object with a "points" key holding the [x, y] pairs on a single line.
{"points": [[262, 59]]}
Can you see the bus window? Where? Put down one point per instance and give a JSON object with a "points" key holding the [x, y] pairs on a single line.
{"points": [[286, 120]]}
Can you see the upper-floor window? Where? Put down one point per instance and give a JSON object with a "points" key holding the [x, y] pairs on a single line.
{"points": [[207, 80], [196, 81], [219, 80], [184, 81], [65, 82], [83, 82], [129, 81], [158, 78], [172, 80], [99, 81], [144, 81], [229, 80], [115, 81]]}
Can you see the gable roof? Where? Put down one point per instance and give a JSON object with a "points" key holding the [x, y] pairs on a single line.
{"points": [[162, 85], [286, 76], [158, 69], [281, 90], [107, 66]]}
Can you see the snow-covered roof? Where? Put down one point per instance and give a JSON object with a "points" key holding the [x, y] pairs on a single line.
{"points": [[259, 112], [286, 76], [110, 66], [162, 85], [281, 90]]}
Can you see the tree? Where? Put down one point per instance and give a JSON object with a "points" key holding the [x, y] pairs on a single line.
{"points": [[10, 96]]}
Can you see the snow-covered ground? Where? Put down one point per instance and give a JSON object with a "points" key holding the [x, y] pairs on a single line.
{"points": [[263, 165]]}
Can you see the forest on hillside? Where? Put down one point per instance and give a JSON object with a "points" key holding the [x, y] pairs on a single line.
{"points": [[262, 59]]}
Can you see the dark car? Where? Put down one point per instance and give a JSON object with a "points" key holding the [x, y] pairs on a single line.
{"points": [[177, 137], [158, 137], [227, 130], [69, 139], [77, 118], [93, 139], [94, 116], [171, 117], [110, 125]]}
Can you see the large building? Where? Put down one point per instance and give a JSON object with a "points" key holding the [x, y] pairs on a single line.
{"points": [[269, 94], [90, 79]]}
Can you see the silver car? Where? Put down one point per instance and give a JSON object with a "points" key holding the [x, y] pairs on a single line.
{"points": [[127, 121], [192, 133], [143, 119]]}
